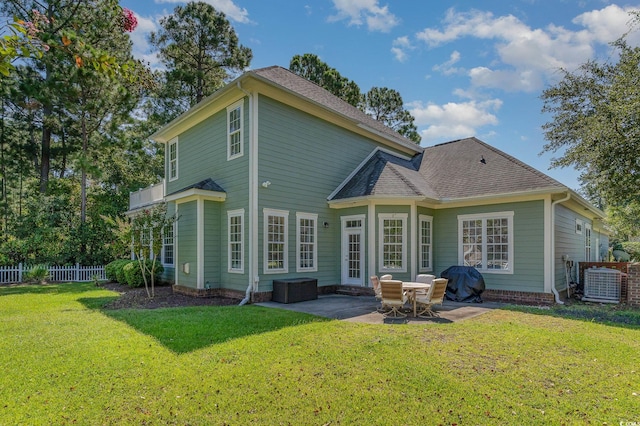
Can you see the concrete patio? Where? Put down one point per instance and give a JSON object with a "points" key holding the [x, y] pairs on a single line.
{"points": [[364, 309]]}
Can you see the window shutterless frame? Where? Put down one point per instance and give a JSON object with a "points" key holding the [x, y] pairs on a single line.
{"points": [[276, 236], [485, 241], [235, 125], [306, 242], [235, 241]]}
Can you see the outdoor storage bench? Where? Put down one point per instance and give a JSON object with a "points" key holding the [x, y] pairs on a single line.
{"points": [[295, 290]]}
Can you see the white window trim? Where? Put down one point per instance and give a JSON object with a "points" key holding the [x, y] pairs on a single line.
{"points": [[173, 141], [395, 216], [314, 218], [231, 214], [265, 267], [484, 216], [579, 226], [230, 108], [425, 218]]}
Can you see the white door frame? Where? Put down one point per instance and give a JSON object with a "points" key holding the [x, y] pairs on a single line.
{"points": [[346, 262]]}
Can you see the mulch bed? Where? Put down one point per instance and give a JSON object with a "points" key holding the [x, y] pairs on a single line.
{"points": [[136, 298]]}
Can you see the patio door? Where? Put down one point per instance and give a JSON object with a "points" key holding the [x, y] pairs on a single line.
{"points": [[352, 250]]}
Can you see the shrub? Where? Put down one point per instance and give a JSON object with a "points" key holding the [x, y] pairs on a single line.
{"points": [[37, 274], [119, 269], [633, 248], [133, 274], [111, 269]]}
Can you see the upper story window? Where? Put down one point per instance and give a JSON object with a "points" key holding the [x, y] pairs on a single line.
{"points": [[172, 159], [485, 241], [306, 251], [393, 242], [234, 130], [425, 243]]}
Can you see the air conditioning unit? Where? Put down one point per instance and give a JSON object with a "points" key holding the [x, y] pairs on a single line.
{"points": [[602, 285]]}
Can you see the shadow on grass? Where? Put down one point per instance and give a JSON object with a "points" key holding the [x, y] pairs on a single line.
{"points": [[187, 329], [613, 315], [47, 288]]}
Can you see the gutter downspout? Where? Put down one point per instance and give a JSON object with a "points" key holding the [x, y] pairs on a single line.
{"points": [[553, 247], [253, 204]]}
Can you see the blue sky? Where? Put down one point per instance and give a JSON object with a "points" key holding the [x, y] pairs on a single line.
{"points": [[463, 68]]}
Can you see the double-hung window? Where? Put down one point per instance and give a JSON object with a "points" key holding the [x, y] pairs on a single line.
{"points": [[486, 241], [236, 240], [393, 242], [167, 245], [172, 159], [307, 235], [276, 223], [425, 243], [234, 130]]}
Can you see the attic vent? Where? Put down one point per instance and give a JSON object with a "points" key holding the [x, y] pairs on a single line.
{"points": [[602, 285]]}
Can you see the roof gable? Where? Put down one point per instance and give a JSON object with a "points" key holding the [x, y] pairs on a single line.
{"points": [[457, 170], [296, 91], [302, 87]]}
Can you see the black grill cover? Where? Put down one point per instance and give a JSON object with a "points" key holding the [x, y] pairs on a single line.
{"points": [[465, 284]]}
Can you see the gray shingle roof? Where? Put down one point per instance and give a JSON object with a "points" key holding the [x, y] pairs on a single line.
{"points": [[207, 184], [454, 170], [385, 175], [302, 87], [451, 170]]}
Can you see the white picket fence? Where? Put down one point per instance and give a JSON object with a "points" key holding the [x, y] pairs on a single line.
{"points": [[79, 273]]}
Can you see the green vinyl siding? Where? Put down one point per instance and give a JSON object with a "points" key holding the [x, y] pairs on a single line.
{"points": [[528, 240], [202, 154], [305, 159], [568, 242], [187, 244], [212, 237]]}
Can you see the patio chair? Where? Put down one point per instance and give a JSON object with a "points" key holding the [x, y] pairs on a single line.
{"points": [[435, 296], [393, 297], [425, 278], [375, 284]]}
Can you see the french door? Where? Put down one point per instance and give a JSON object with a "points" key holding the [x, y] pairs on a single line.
{"points": [[352, 250]]}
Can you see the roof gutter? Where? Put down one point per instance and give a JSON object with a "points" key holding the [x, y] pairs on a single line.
{"points": [[553, 247]]}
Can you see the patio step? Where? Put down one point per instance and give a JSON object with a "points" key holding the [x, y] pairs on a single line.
{"points": [[354, 291]]}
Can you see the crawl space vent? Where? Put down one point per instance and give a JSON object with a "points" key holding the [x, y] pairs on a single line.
{"points": [[602, 285]]}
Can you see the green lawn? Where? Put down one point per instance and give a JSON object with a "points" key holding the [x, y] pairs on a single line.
{"points": [[63, 360]]}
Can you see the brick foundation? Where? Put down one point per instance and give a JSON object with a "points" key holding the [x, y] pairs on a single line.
{"points": [[518, 297], [633, 285], [208, 292]]}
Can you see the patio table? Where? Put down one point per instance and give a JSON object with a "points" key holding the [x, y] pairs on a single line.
{"points": [[411, 287]]}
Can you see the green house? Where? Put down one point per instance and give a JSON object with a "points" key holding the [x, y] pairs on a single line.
{"points": [[272, 177]]}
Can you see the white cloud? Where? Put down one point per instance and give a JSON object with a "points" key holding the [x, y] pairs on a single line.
{"points": [[528, 57], [453, 120], [139, 37], [447, 68], [399, 48], [606, 25], [228, 7], [359, 12]]}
